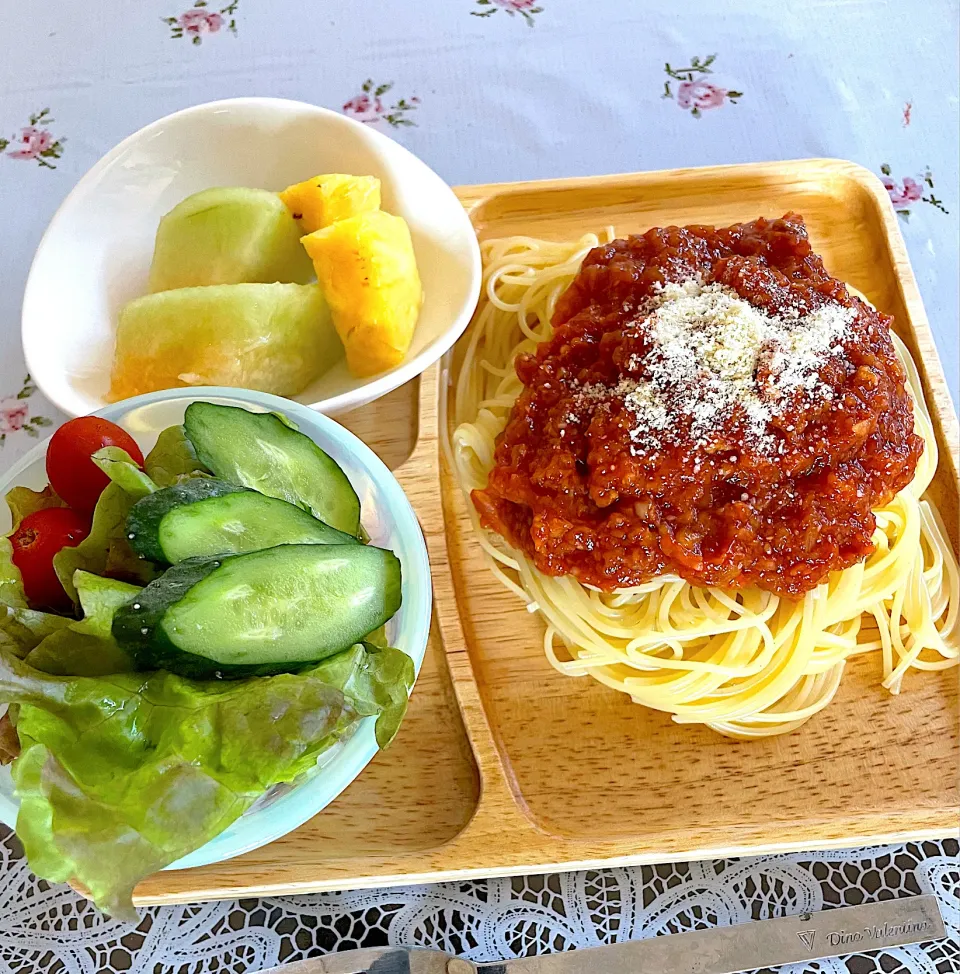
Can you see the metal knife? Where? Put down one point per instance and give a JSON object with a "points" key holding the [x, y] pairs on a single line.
{"points": [[719, 950]]}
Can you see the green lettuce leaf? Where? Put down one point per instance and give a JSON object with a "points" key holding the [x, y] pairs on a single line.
{"points": [[23, 501], [87, 647], [105, 551], [122, 469], [21, 628], [377, 638], [172, 459], [11, 583], [286, 420], [119, 776], [380, 677]]}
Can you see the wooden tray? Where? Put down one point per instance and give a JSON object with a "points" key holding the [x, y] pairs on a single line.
{"points": [[503, 766]]}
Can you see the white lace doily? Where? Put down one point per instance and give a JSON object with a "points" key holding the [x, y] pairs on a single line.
{"points": [[50, 930]]}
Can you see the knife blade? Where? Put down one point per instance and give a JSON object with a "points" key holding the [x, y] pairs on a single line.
{"points": [[718, 950], [748, 946]]}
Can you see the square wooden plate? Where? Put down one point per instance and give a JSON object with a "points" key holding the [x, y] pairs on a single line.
{"points": [[503, 766]]}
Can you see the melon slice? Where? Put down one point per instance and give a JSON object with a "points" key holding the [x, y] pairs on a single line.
{"points": [[228, 235], [270, 337]]}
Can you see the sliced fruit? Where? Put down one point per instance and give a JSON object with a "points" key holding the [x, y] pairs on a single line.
{"points": [[323, 200], [228, 235], [368, 272], [267, 453], [263, 612], [271, 337]]}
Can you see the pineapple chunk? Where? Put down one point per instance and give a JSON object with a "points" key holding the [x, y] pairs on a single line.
{"points": [[368, 273], [323, 200]]}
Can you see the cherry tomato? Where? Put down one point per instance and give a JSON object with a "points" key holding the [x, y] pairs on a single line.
{"points": [[37, 539], [73, 475]]}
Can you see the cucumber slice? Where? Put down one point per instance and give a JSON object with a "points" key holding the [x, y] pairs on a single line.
{"points": [[134, 624], [265, 612], [261, 451], [238, 523], [143, 521]]}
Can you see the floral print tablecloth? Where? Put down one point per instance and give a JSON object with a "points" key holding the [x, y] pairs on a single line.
{"points": [[488, 90]]}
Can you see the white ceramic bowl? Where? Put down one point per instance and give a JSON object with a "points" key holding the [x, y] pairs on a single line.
{"points": [[389, 519], [95, 255]]}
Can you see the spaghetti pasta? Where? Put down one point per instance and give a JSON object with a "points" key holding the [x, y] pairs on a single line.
{"points": [[746, 663]]}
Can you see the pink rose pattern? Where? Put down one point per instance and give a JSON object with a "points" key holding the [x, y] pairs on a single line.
{"points": [[15, 414], [909, 191], [34, 142], [370, 107], [199, 20], [526, 8], [693, 93]]}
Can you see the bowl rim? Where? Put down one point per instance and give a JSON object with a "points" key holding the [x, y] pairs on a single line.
{"points": [[68, 401], [361, 747]]}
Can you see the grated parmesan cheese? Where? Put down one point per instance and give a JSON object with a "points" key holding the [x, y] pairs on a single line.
{"points": [[708, 346]]}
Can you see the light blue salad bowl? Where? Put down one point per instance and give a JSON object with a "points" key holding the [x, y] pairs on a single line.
{"points": [[388, 519]]}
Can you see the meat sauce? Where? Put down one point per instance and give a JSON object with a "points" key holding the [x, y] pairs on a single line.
{"points": [[570, 488]]}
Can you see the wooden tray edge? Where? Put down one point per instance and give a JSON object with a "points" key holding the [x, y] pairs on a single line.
{"points": [[586, 860]]}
